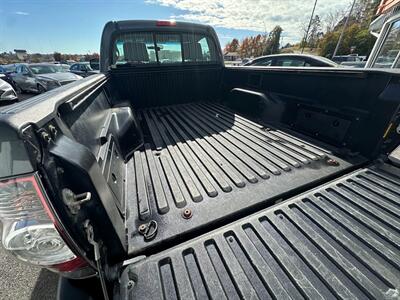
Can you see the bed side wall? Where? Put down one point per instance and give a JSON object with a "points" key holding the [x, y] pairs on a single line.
{"points": [[352, 109]]}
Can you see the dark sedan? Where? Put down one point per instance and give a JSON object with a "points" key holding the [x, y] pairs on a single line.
{"points": [[83, 69], [292, 60]]}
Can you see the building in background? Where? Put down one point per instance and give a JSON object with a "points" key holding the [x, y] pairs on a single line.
{"points": [[231, 56], [386, 5], [386, 10], [21, 54]]}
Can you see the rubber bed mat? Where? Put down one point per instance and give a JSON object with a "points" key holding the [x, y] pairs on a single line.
{"points": [[338, 241], [203, 164]]}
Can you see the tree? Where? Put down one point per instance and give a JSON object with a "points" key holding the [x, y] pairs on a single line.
{"points": [[233, 46], [333, 18], [57, 56], [272, 43], [315, 33], [245, 48], [288, 45], [364, 10], [355, 35], [89, 56], [258, 45]]}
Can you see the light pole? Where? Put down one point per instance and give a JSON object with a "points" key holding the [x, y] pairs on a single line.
{"points": [[309, 25], [343, 29]]}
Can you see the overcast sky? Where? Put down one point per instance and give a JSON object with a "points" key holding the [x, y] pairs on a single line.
{"points": [[74, 26]]}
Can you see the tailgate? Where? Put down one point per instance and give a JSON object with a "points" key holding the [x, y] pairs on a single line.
{"points": [[341, 240]]}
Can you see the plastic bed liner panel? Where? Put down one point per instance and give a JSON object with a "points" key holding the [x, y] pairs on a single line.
{"points": [[341, 240], [202, 164]]}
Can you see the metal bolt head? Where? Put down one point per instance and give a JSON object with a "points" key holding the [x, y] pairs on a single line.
{"points": [[142, 228], [332, 162], [187, 213], [130, 284]]}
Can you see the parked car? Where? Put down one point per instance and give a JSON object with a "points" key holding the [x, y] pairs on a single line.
{"points": [[7, 93], [95, 64], [64, 67], [7, 68], [41, 77], [69, 62], [83, 69], [7, 71], [171, 176], [292, 60]]}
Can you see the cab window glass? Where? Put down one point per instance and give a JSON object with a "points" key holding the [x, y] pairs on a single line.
{"points": [[198, 48], [390, 49], [169, 48], [134, 48], [163, 48]]}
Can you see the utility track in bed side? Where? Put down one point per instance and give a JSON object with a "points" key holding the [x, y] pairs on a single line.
{"points": [[205, 158], [341, 240]]}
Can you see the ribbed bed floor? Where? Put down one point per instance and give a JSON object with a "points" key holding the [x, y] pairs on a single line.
{"points": [[205, 158], [340, 241]]}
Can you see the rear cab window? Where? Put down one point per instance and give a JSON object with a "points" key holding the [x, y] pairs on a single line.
{"points": [[163, 48], [169, 48]]}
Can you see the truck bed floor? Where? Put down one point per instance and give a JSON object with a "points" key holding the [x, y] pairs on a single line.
{"points": [[339, 241], [215, 164]]}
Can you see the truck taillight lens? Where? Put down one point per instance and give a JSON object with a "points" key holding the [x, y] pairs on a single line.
{"points": [[29, 226]]}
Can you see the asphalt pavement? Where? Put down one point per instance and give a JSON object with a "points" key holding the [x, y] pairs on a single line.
{"points": [[25, 96], [21, 97], [21, 281]]}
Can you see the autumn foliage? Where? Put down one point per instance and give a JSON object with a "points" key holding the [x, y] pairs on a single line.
{"points": [[254, 46]]}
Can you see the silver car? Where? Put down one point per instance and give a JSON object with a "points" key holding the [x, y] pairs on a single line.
{"points": [[42, 77], [7, 93]]}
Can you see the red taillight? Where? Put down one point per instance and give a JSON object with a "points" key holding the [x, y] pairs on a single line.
{"points": [[166, 23], [69, 266], [30, 229]]}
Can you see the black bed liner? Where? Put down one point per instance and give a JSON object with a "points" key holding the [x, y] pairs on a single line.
{"points": [[341, 240], [220, 165]]}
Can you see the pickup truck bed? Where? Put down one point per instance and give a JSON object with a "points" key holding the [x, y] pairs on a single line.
{"points": [[341, 240], [219, 165]]}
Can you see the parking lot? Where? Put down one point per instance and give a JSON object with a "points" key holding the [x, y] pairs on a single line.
{"points": [[22, 281], [25, 96], [21, 97]]}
